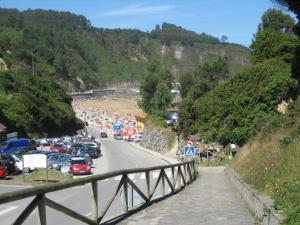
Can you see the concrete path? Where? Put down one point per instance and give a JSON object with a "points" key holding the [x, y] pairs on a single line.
{"points": [[210, 200]]}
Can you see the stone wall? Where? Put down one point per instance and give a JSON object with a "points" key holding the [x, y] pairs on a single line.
{"points": [[154, 139], [259, 204]]}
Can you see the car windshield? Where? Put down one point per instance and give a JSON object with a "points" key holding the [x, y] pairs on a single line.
{"points": [[64, 159], [87, 150], [58, 145], [78, 161]]}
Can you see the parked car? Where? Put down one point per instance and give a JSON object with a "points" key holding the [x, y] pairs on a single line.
{"points": [[75, 147], [130, 139], [14, 143], [42, 142], [54, 159], [3, 171], [10, 163], [118, 136], [23, 151], [18, 162], [88, 158], [78, 165], [88, 151], [103, 135], [61, 162], [58, 147], [94, 146]]}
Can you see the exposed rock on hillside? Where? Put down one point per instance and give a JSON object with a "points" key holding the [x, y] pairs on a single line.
{"points": [[3, 65]]}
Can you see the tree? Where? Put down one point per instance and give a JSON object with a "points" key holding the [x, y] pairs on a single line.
{"points": [[161, 100], [294, 6], [271, 43], [199, 81], [276, 20], [274, 37], [224, 39], [155, 89]]}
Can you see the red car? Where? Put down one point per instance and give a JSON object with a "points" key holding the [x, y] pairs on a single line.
{"points": [[58, 147], [79, 165], [3, 171]]}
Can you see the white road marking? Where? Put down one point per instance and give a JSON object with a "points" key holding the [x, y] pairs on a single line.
{"points": [[90, 213], [11, 208]]}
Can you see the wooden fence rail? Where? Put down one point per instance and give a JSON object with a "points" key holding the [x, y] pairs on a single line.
{"points": [[186, 173]]}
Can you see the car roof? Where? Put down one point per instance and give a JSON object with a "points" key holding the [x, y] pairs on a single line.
{"points": [[77, 158]]}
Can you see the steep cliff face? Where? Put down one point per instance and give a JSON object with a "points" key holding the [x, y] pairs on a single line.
{"points": [[180, 58]]}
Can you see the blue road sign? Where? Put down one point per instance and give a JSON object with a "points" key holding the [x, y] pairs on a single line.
{"points": [[189, 151]]}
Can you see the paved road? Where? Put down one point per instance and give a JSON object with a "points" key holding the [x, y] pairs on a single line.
{"points": [[210, 200], [116, 155]]}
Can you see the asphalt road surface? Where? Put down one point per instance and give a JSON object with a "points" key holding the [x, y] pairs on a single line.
{"points": [[117, 155]]}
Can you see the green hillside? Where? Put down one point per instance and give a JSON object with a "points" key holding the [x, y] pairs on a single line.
{"points": [[43, 54], [67, 49]]}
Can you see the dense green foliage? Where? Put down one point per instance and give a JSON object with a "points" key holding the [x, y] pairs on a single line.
{"points": [[274, 37], [67, 48], [270, 161], [34, 105], [207, 75], [170, 32], [155, 90], [232, 111]]}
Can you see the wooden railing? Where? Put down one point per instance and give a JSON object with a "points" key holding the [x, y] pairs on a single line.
{"points": [[181, 175]]}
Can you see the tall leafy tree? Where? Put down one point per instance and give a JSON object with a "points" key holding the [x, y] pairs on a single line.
{"points": [[294, 6], [274, 37], [155, 89], [276, 20]]}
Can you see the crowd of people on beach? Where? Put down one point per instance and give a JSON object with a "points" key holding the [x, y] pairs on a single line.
{"points": [[106, 120]]}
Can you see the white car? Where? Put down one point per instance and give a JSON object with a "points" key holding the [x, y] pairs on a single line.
{"points": [[18, 161]]}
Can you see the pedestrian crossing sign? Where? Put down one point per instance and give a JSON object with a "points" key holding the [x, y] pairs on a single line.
{"points": [[189, 151]]}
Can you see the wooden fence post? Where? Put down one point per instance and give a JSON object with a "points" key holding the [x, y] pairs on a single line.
{"points": [[42, 209], [94, 204], [163, 182], [148, 185], [125, 189]]}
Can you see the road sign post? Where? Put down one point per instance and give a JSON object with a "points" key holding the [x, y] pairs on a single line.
{"points": [[189, 151]]}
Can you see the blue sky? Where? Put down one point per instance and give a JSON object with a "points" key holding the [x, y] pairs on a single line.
{"points": [[237, 19]]}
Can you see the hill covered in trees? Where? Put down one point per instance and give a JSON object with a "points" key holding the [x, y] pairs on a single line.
{"points": [[67, 49], [233, 110], [43, 54]]}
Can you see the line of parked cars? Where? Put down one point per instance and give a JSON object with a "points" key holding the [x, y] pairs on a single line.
{"points": [[73, 154]]}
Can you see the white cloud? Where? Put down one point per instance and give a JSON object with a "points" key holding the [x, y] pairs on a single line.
{"points": [[139, 9]]}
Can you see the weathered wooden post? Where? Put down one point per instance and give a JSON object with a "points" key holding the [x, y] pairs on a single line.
{"points": [[94, 204], [148, 185], [125, 189], [42, 209], [163, 182]]}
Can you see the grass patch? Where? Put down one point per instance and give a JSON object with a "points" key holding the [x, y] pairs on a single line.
{"points": [[39, 176], [155, 121], [171, 139], [273, 167]]}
